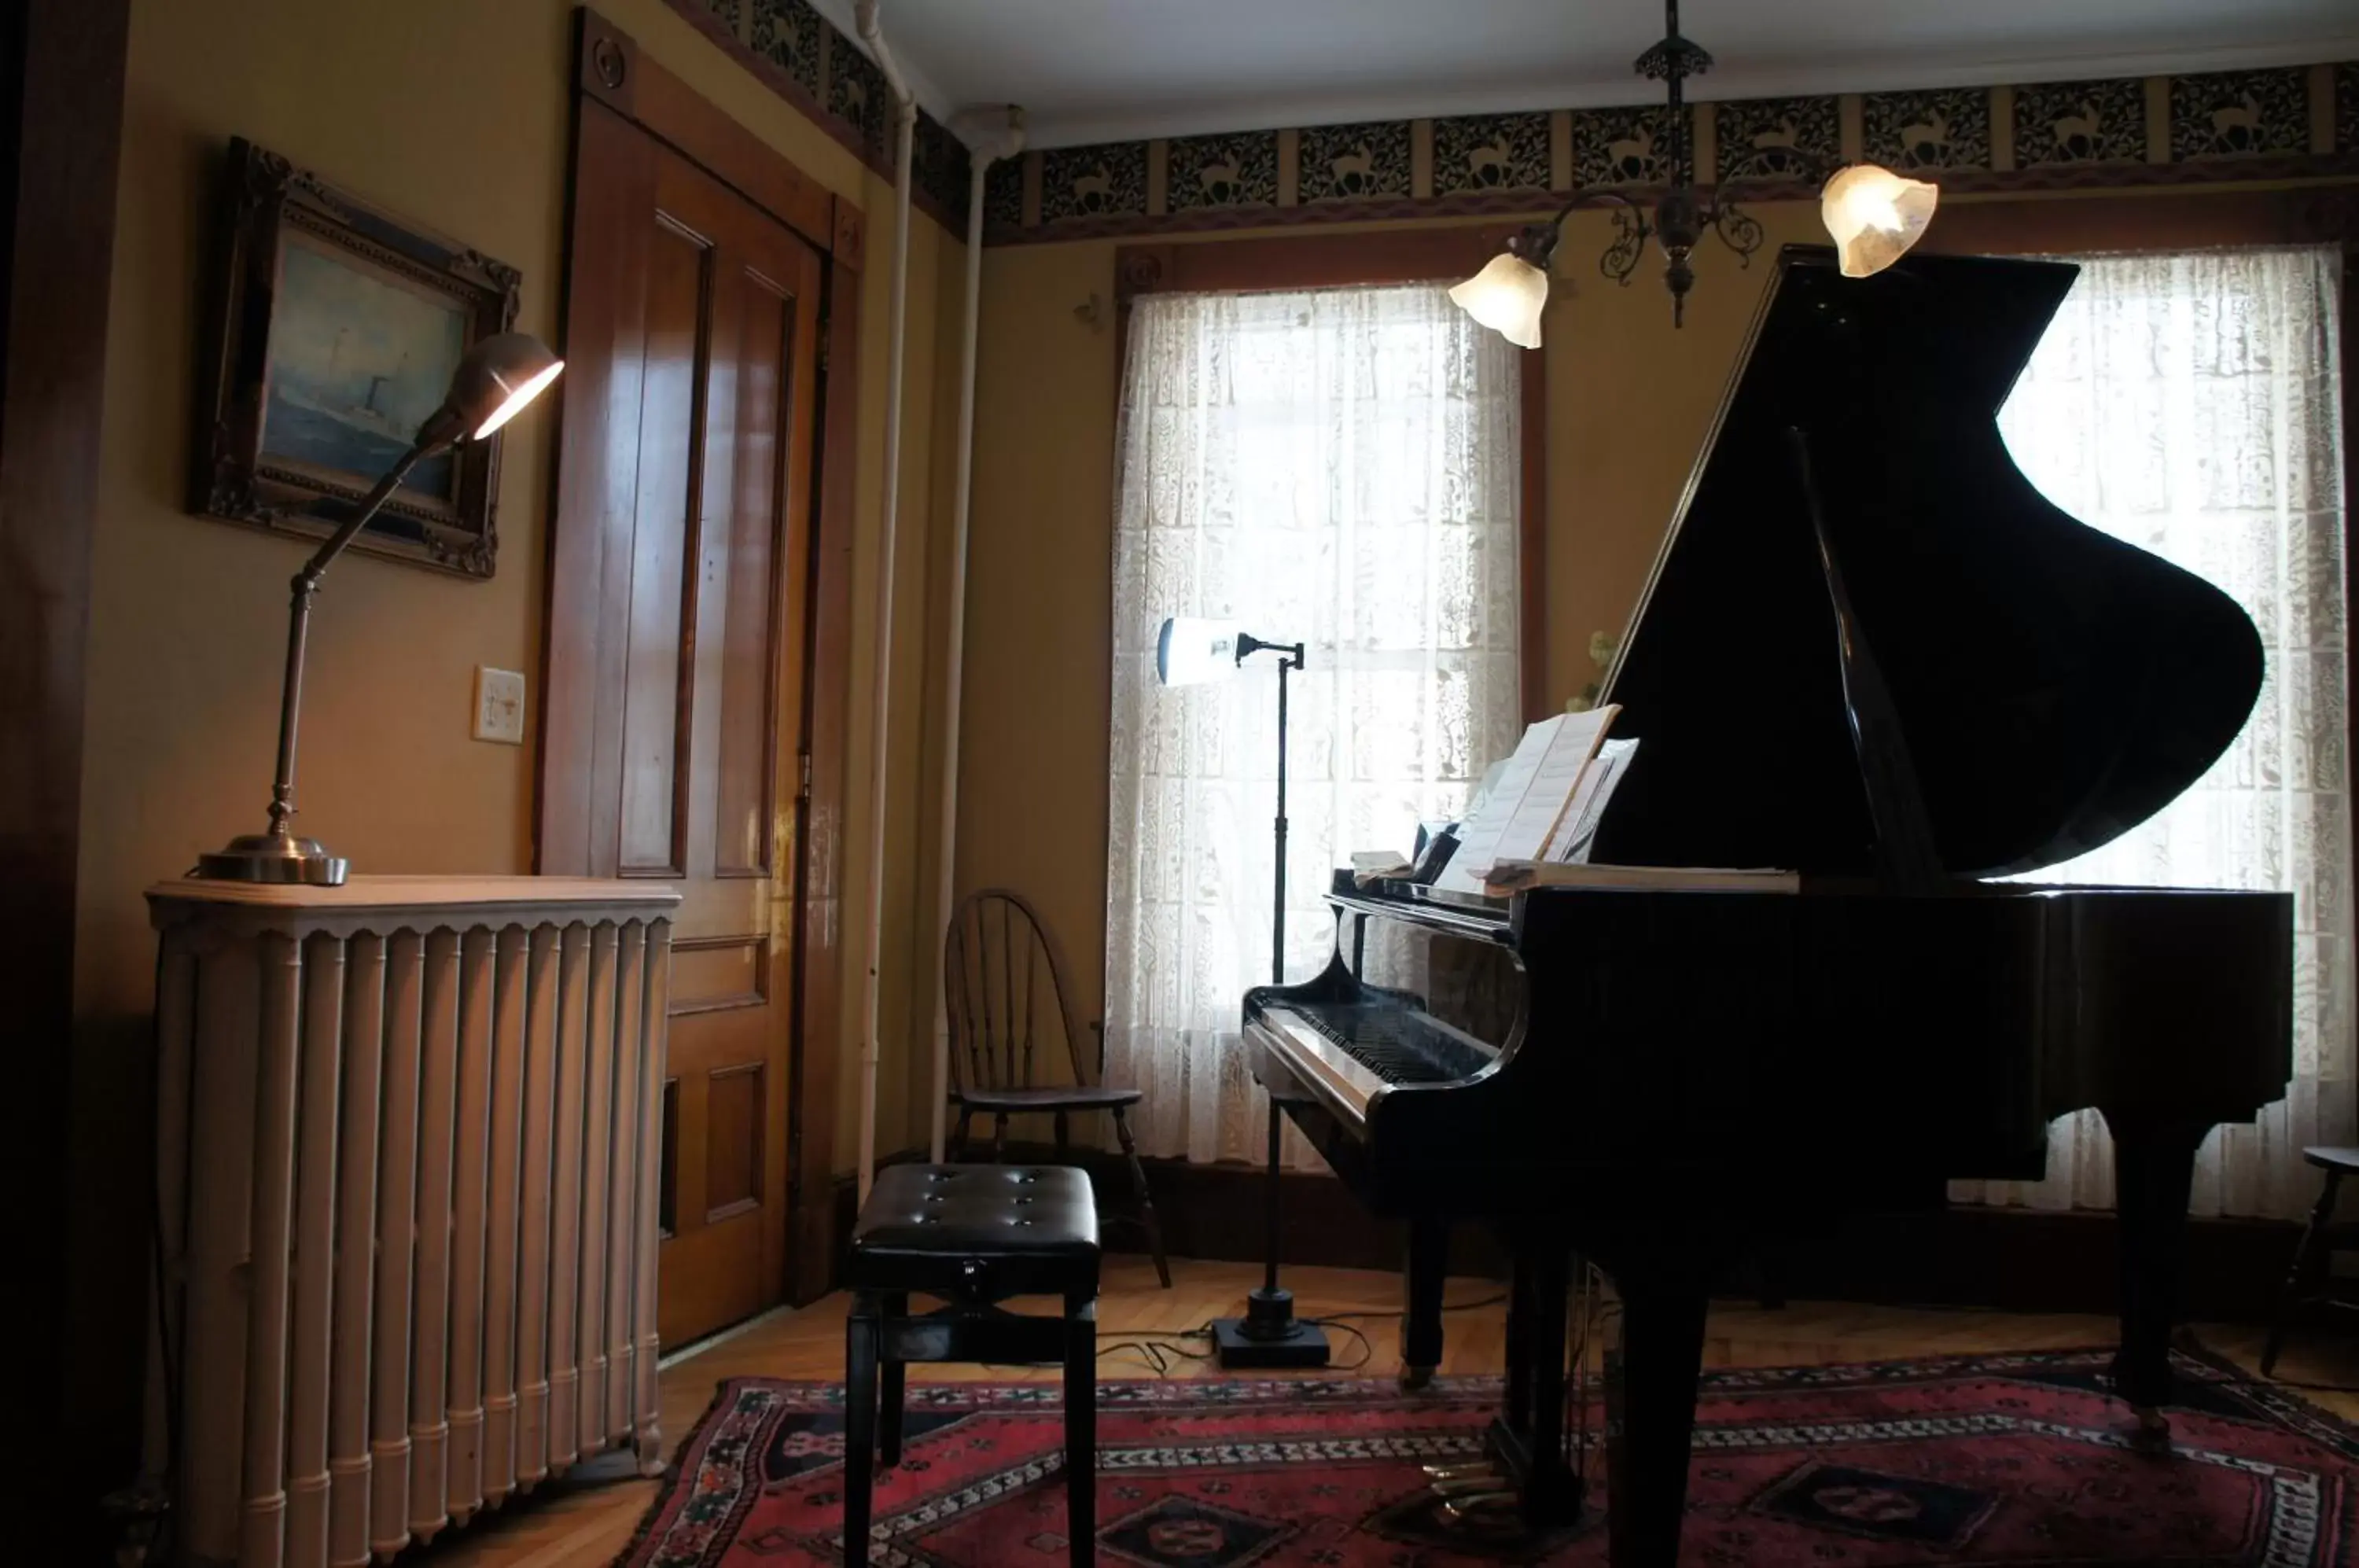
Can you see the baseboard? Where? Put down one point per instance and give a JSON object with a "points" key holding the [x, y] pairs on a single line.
{"points": [[2004, 1260]]}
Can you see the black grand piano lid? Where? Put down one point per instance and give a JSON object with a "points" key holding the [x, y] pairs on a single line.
{"points": [[2055, 686]]}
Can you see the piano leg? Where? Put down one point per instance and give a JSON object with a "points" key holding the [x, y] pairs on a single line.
{"points": [[2154, 1167], [1651, 1394], [1426, 1273]]}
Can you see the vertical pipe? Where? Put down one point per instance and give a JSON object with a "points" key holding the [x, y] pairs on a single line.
{"points": [[501, 1227], [905, 108], [565, 1224], [176, 1003], [597, 1149], [221, 1175], [535, 1192], [262, 1528], [653, 1048], [348, 1445], [630, 1028], [471, 1155], [1006, 144], [438, 1120], [310, 1341], [396, 1226]]}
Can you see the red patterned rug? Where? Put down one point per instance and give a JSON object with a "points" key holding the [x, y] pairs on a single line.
{"points": [[1986, 1459]]}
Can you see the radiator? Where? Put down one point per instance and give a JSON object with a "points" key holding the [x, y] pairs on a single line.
{"points": [[406, 1169]]}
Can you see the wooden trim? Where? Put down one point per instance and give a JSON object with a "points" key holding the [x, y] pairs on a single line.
{"points": [[609, 69], [2178, 220], [821, 916], [61, 75], [1266, 265]]}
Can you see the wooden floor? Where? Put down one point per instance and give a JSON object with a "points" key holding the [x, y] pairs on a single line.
{"points": [[589, 1518]]}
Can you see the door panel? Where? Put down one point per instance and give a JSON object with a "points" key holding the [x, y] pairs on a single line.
{"points": [[692, 334]]}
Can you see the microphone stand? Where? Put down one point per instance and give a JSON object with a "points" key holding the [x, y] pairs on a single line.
{"points": [[1269, 1334]]}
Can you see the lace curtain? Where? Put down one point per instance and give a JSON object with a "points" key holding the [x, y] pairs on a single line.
{"points": [[1339, 467], [2189, 405]]}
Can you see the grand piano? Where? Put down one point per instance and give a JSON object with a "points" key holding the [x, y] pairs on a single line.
{"points": [[1872, 653]]}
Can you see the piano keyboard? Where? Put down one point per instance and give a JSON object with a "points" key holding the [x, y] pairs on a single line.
{"points": [[1350, 1052]]}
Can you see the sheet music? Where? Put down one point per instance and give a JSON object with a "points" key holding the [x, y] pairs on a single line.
{"points": [[1528, 808], [1589, 799]]}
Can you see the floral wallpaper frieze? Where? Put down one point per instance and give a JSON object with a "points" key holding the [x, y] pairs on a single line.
{"points": [[2285, 123]]}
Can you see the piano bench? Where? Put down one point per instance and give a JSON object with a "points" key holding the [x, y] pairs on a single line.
{"points": [[2306, 1282], [973, 1236]]}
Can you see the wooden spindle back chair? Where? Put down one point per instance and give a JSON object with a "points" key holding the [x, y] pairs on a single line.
{"points": [[1003, 989]]}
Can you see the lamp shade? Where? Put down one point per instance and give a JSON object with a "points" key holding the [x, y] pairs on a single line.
{"points": [[496, 379], [1507, 297], [1189, 651], [1874, 215]]}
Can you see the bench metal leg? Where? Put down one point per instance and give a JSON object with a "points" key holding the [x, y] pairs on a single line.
{"points": [[895, 1372], [859, 1346], [2308, 1256], [1082, 1429]]}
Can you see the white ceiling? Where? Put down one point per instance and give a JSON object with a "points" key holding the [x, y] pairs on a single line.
{"points": [[1091, 70]]}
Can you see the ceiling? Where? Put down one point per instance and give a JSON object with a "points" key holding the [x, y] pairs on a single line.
{"points": [[1091, 70]]}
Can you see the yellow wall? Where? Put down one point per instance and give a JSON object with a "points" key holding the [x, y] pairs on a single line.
{"points": [[453, 113], [1628, 402]]}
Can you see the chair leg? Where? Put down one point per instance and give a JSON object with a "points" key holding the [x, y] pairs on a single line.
{"points": [[888, 1423], [958, 1139], [1063, 1139], [1081, 1430], [1000, 1139], [2305, 1260], [1145, 1198], [859, 1346]]}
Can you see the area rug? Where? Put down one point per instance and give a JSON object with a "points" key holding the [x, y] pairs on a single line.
{"points": [[1989, 1459]]}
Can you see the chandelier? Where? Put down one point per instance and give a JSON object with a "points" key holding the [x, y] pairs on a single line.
{"points": [[1873, 215]]}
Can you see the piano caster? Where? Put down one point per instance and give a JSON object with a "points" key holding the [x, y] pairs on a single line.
{"points": [[1460, 1470], [1458, 1487], [1413, 1378], [2152, 1434], [1481, 1505]]}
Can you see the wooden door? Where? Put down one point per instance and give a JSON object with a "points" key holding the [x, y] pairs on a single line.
{"points": [[692, 338]]}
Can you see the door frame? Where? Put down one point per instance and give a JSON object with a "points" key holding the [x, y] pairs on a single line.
{"points": [[571, 821]]}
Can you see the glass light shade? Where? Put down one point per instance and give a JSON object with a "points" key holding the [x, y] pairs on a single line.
{"points": [[1507, 297], [498, 377], [1874, 215], [1188, 653]]}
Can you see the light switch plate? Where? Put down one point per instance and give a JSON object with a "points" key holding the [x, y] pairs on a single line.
{"points": [[499, 705]]}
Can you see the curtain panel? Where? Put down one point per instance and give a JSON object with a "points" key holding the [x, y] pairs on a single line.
{"points": [[1339, 467], [2190, 404]]}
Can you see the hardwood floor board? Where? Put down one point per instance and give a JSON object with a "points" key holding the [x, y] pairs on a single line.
{"points": [[585, 1525]]}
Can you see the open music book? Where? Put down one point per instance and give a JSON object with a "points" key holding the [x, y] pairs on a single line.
{"points": [[1528, 812]]}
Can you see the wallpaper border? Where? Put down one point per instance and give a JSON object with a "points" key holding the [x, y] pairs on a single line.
{"points": [[2287, 123], [2290, 123], [801, 56]]}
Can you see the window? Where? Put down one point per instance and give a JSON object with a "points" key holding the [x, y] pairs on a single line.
{"points": [[2188, 404], [1342, 467]]}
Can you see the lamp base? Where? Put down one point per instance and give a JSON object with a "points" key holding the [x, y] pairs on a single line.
{"points": [[266, 857], [1269, 1334]]}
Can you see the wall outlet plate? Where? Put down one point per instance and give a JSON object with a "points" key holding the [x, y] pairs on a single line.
{"points": [[499, 705]]}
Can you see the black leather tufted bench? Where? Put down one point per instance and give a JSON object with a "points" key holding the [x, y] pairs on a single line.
{"points": [[973, 1235]]}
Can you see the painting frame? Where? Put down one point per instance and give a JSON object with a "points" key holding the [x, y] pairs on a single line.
{"points": [[281, 442]]}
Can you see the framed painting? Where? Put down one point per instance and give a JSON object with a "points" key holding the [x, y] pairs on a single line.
{"points": [[334, 330]]}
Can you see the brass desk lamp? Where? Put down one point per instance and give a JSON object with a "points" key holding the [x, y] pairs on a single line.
{"points": [[493, 382]]}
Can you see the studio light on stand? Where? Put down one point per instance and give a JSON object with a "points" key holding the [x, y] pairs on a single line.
{"points": [[492, 385], [1188, 653]]}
